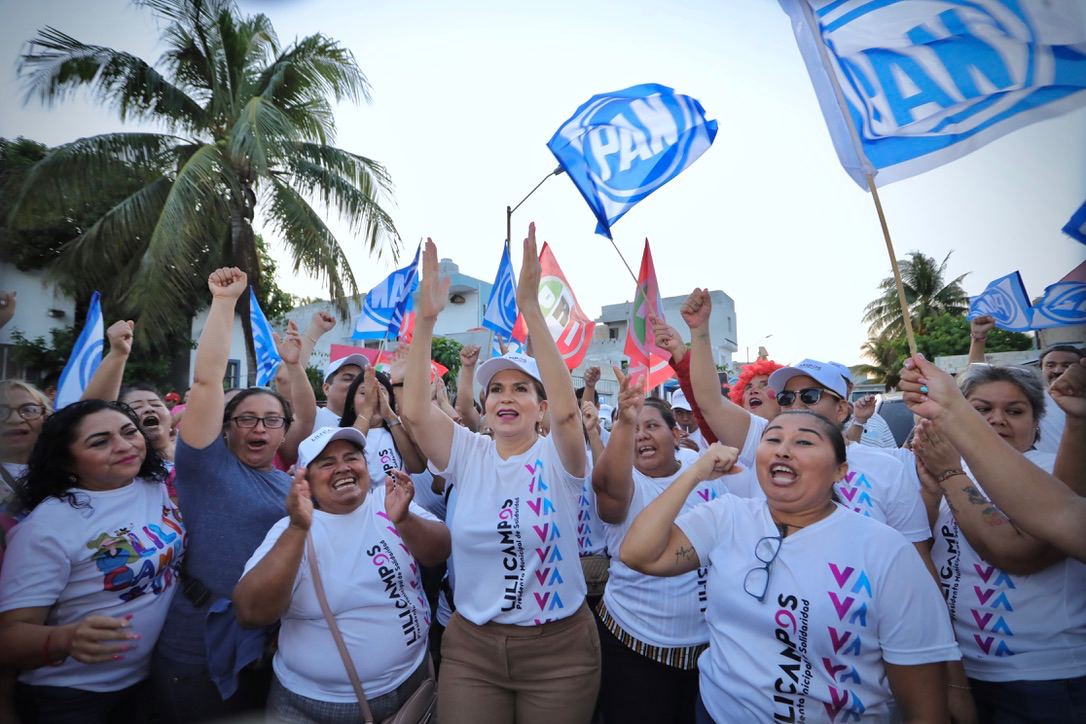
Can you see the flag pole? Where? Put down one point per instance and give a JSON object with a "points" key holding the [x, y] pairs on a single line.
{"points": [[510, 210], [842, 105], [906, 317], [624, 262]]}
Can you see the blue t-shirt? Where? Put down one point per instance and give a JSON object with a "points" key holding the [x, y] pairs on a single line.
{"points": [[228, 508]]}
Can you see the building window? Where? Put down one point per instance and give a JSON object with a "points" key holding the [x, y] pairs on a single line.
{"points": [[729, 324], [233, 374], [612, 333]]}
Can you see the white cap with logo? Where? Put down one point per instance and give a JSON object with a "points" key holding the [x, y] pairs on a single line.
{"points": [[678, 401], [510, 361], [359, 360], [824, 373], [311, 448]]}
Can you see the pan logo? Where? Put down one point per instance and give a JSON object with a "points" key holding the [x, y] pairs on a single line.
{"points": [[1064, 303]]}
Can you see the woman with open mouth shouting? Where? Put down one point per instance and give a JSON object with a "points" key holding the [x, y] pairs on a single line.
{"points": [[651, 629], [522, 645], [90, 572], [815, 613], [231, 495]]}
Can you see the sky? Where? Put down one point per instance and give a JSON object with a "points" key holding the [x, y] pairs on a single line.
{"points": [[466, 95]]}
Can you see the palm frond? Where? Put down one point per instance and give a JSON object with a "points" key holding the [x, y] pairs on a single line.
{"points": [[56, 64], [258, 135]]}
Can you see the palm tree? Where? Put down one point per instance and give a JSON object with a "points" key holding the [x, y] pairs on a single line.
{"points": [[926, 290], [247, 127], [886, 359]]}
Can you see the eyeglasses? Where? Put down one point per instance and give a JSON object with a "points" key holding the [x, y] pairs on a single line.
{"points": [[271, 422], [756, 582], [808, 396], [28, 412]]}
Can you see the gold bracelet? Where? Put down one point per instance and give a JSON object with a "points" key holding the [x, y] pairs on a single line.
{"points": [[948, 474]]}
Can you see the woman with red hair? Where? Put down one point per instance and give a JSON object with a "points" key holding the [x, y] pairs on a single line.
{"points": [[752, 393]]}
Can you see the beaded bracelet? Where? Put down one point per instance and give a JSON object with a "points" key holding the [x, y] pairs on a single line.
{"points": [[948, 474]]}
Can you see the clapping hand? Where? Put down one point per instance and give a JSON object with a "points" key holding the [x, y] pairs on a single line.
{"points": [[300, 501], [399, 492], [631, 397]]}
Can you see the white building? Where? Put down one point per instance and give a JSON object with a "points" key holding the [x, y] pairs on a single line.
{"points": [[40, 308]]}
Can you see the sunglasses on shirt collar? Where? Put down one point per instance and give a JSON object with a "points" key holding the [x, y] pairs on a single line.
{"points": [[808, 396]]}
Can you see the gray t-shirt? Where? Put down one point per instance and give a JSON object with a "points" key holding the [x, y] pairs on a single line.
{"points": [[228, 508]]}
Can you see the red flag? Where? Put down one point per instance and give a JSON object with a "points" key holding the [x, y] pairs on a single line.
{"points": [[571, 329], [407, 328], [646, 359]]}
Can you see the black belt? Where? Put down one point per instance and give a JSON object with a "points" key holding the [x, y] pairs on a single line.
{"points": [[195, 591]]}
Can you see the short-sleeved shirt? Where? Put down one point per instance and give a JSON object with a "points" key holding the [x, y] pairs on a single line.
{"points": [[1012, 627], [374, 588], [844, 595], [877, 485], [513, 532], [665, 612], [117, 555], [228, 508]]}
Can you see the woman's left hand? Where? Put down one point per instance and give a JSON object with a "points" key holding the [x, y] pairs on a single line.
{"points": [[399, 492], [936, 452], [384, 409], [530, 272], [300, 501], [373, 397]]}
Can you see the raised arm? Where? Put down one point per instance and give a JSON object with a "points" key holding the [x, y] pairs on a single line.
{"points": [[465, 387], [432, 428], [728, 421], [263, 594], [612, 474], [979, 328], [565, 415], [654, 545], [105, 383], [1069, 392], [203, 414], [590, 417], [413, 461], [668, 339], [1037, 503], [862, 411], [319, 324], [427, 540], [985, 527], [303, 401]]}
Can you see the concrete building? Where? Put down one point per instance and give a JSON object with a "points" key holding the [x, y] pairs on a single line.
{"points": [[40, 308]]}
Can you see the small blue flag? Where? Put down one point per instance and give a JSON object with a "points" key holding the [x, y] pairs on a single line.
{"points": [[620, 147], [907, 86], [267, 356], [501, 308], [387, 303], [1076, 227], [1006, 301], [85, 358], [1063, 303]]}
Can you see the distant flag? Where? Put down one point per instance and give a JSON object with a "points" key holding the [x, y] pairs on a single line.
{"points": [[407, 329], [85, 357], [569, 326], [501, 307], [387, 303], [907, 86], [619, 147], [646, 359], [1063, 303], [267, 356], [1006, 301], [1076, 227]]}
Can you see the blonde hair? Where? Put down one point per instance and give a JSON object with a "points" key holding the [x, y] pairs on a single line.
{"points": [[40, 397]]}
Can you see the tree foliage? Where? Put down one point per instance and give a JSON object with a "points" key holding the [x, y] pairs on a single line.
{"points": [[927, 292], [447, 351], [249, 128]]}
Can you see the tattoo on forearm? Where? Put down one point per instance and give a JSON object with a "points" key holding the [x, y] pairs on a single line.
{"points": [[684, 553], [990, 514]]}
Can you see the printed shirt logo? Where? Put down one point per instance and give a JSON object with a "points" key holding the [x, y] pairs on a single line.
{"points": [[855, 492], [849, 596], [403, 583], [136, 562], [980, 601]]}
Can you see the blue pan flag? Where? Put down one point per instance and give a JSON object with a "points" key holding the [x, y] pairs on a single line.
{"points": [[1006, 301], [907, 86], [387, 303], [620, 147], [267, 356], [85, 358], [1063, 303], [501, 308], [1076, 227]]}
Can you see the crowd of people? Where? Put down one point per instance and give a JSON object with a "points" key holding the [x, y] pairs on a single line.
{"points": [[768, 554]]}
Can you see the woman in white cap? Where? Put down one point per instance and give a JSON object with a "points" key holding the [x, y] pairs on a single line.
{"points": [[522, 645], [368, 542], [651, 629], [815, 614]]}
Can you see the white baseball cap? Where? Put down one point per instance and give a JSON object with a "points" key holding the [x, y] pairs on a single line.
{"points": [[824, 373], [359, 360], [311, 448], [510, 361], [844, 370], [678, 401]]}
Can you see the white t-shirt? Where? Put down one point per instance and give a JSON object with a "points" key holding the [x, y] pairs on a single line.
{"points": [[844, 595], [590, 539], [1012, 627], [325, 418], [381, 454], [1052, 425], [121, 555], [425, 495], [374, 588], [876, 486], [513, 532], [686, 456], [667, 612]]}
